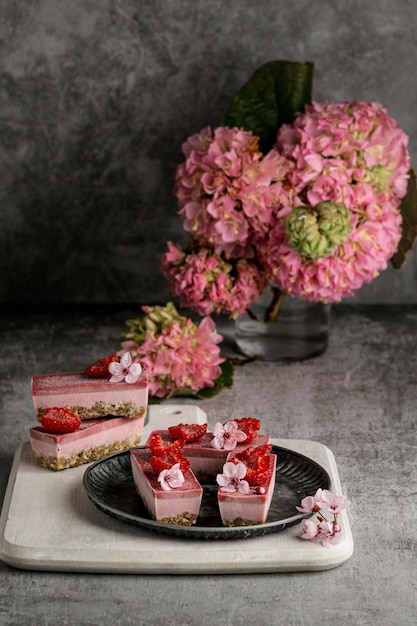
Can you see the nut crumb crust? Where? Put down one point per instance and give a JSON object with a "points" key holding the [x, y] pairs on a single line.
{"points": [[102, 409]]}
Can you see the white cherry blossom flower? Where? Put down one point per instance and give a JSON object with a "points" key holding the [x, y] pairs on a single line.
{"points": [[125, 370], [322, 530], [232, 478], [334, 503], [227, 437], [171, 478]]}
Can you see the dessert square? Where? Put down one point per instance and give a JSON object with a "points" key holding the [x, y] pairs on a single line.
{"points": [[240, 509], [179, 505], [90, 398], [93, 440]]}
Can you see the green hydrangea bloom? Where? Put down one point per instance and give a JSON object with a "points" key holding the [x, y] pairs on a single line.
{"points": [[315, 231], [155, 318]]}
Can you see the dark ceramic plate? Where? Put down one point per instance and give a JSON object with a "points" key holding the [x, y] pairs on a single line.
{"points": [[109, 485]]}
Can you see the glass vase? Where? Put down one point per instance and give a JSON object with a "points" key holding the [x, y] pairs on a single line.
{"points": [[300, 331]]}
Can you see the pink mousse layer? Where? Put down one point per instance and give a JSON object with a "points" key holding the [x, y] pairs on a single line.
{"points": [[237, 509], [205, 461], [76, 389], [177, 506], [90, 434]]}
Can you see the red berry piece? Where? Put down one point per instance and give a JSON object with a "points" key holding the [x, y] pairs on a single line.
{"points": [[60, 421], [100, 369], [159, 447], [250, 426], [167, 460], [253, 453], [187, 432], [159, 464], [257, 461]]}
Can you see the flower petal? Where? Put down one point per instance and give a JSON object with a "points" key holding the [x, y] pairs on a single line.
{"points": [[126, 360], [115, 368], [131, 377], [116, 378], [244, 487]]}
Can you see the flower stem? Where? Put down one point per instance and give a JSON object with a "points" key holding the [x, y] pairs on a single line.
{"points": [[273, 310]]}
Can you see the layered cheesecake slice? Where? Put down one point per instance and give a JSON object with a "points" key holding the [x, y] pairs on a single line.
{"points": [[172, 496], [90, 398], [92, 440], [242, 503]]}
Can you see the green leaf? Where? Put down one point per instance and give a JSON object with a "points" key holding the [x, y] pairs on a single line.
{"points": [[225, 380], [271, 97], [408, 210]]}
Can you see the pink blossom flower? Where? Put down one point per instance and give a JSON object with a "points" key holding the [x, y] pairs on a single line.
{"points": [[125, 369], [330, 534], [311, 504], [227, 436], [232, 478], [310, 530], [171, 478], [332, 502], [324, 531]]}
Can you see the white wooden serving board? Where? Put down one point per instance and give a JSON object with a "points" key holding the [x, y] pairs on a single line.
{"points": [[48, 523]]}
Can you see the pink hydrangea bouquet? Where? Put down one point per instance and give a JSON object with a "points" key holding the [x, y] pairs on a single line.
{"points": [[311, 197]]}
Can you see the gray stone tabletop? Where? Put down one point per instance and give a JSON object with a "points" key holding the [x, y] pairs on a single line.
{"points": [[359, 398]]}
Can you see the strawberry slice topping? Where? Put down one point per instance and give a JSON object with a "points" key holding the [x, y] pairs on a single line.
{"points": [[167, 460], [60, 421], [250, 426], [187, 432], [158, 464], [257, 461], [159, 447], [100, 369], [168, 453], [258, 451]]}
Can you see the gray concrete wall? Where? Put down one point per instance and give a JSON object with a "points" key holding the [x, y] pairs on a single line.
{"points": [[98, 95]]}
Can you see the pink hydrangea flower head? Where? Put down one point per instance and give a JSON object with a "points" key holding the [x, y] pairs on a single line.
{"points": [[373, 240], [176, 352], [209, 283], [125, 369], [227, 436], [228, 191], [171, 478], [232, 478], [348, 153]]}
